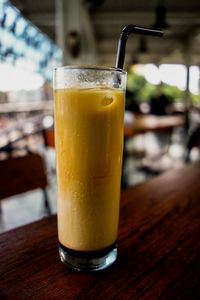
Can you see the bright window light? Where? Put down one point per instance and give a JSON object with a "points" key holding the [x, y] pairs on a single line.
{"points": [[19, 38], [194, 84], [151, 74], [174, 75], [14, 79]]}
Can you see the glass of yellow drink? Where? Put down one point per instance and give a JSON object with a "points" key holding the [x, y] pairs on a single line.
{"points": [[89, 124]]}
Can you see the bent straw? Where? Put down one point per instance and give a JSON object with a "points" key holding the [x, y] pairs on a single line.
{"points": [[124, 37]]}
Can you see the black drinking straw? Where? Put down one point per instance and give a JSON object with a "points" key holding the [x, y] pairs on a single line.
{"points": [[124, 37]]}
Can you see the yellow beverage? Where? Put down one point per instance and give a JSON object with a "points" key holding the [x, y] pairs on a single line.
{"points": [[89, 141]]}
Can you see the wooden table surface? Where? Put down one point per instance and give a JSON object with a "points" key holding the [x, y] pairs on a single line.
{"points": [[137, 123], [159, 249]]}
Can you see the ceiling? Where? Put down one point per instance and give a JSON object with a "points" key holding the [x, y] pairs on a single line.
{"points": [[108, 17]]}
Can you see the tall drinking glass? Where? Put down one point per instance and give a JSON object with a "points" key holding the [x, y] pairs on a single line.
{"points": [[89, 123]]}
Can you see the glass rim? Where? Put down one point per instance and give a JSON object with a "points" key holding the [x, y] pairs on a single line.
{"points": [[89, 67]]}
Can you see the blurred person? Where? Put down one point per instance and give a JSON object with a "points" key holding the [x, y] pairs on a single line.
{"points": [[159, 104], [131, 103]]}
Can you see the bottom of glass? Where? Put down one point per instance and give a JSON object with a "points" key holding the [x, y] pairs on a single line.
{"points": [[88, 261]]}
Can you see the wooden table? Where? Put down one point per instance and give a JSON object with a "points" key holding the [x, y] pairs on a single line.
{"points": [[159, 249], [137, 123]]}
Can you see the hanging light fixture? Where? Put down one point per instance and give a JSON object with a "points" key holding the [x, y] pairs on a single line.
{"points": [[160, 22], [73, 43]]}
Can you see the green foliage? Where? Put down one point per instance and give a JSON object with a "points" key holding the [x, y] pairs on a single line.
{"points": [[147, 92], [141, 90], [172, 92], [195, 99], [135, 82]]}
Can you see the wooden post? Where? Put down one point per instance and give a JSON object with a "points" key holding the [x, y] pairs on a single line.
{"points": [[187, 101], [74, 32]]}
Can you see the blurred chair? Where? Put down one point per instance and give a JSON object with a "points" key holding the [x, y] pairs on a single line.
{"points": [[48, 135], [22, 174], [156, 164], [193, 141]]}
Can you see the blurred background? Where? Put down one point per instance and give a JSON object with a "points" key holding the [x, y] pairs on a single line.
{"points": [[162, 119]]}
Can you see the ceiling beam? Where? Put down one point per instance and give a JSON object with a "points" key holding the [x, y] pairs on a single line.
{"points": [[144, 17], [103, 18], [47, 19]]}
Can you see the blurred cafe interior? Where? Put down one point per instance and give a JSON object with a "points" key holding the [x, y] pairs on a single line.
{"points": [[162, 111]]}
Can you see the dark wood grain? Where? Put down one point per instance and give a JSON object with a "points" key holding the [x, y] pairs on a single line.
{"points": [[159, 249]]}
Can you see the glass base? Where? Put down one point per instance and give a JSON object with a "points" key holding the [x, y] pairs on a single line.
{"points": [[88, 261]]}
